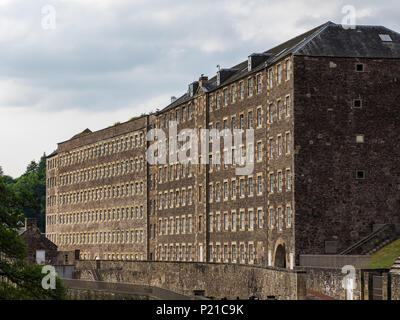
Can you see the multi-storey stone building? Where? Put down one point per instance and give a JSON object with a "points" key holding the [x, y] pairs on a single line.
{"points": [[326, 144]]}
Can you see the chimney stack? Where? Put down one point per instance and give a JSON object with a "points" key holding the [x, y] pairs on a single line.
{"points": [[203, 80], [30, 224]]}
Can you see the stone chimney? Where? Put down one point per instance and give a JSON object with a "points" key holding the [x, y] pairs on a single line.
{"points": [[30, 224], [203, 80]]}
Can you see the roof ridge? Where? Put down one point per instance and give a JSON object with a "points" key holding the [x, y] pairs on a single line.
{"points": [[318, 32]]}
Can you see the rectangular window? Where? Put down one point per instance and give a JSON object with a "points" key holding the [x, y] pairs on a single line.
{"points": [[260, 218], [288, 180], [250, 186], [225, 97], [287, 142], [271, 182], [233, 189], [279, 74], [250, 120], [259, 118], [271, 113], [233, 221], [259, 184], [211, 224], [251, 219], [271, 78], [279, 145], [225, 190], [242, 187], [280, 181], [287, 106], [250, 87], [289, 216], [251, 256], [279, 110], [233, 93], [242, 217], [259, 83], [271, 148], [287, 69], [271, 218], [280, 219], [241, 86], [226, 225]]}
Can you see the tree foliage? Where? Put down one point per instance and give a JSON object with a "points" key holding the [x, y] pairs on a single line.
{"points": [[18, 279], [32, 185]]}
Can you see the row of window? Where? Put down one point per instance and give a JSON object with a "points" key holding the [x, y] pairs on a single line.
{"points": [[241, 124], [179, 115], [122, 256], [104, 148], [275, 74], [103, 171], [235, 91], [280, 144], [175, 198], [236, 221], [175, 225], [280, 110], [177, 252], [246, 187], [232, 253], [97, 215], [102, 237], [103, 193], [282, 180], [171, 173], [280, 217]]}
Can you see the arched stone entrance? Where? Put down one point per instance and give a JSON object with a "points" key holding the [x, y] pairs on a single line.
{"points": [[280, 256]]}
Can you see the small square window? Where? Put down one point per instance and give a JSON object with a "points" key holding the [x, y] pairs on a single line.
{"points": [[360, 138], [359, 67], [360, 174], [357, 103]]}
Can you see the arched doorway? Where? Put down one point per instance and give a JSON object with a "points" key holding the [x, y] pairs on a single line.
{"points": [[280, 257]]}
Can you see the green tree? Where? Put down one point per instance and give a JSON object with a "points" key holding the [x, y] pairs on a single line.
{"points": [[1, 171], [33, 185], [18, 279]]}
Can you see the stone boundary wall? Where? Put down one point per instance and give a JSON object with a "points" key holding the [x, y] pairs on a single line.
{"points": [[216, 280], [92, 290], [329, 282]]}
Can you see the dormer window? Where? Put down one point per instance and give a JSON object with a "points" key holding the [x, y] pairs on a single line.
{"points": [[385, 38]]}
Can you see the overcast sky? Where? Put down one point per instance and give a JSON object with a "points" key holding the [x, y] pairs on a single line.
{"points": [[109, 60]]}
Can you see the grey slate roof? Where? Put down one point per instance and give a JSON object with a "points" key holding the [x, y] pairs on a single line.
{"points": [[327, 40]]}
